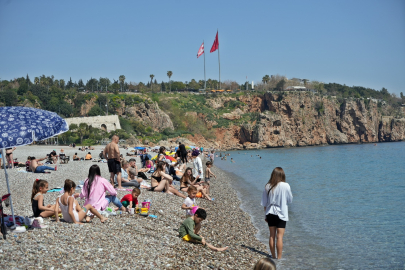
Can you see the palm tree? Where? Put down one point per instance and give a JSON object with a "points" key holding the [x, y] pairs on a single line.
{"points": [[169, 74], [36, 80], [122, 80], [151, 79]]}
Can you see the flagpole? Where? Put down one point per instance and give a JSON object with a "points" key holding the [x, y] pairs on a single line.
{"points": [[205, 80], [219, 64]]}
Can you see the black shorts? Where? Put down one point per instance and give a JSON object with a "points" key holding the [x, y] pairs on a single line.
{"points": [[114, 166], [275, 221]]}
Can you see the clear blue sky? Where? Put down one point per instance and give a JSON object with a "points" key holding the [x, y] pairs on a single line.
{"points": [[356, 42]]}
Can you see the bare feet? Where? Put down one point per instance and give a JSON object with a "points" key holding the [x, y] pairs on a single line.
{"points": [[222, 249], [103, 219], [88, 219]]}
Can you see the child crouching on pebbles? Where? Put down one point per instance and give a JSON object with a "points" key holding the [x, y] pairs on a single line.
{"points": [[189, 230], [71, 210]]}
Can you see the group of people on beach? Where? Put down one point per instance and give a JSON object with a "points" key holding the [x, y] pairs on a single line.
{"points": [[124, 174], [275, 197]]}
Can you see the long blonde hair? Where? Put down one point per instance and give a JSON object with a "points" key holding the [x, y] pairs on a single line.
{"points": [[277, 176]]}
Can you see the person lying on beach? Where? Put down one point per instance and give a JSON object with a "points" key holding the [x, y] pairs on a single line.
{"points": [[191, 226], [72, 212], [36, 166], [188, 180], [131, 200], [39, 188], [94, 189], [160, 181]]}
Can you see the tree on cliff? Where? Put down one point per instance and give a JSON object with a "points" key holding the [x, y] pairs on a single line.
{"points": [[266, 79], [169, 74], [151, 79], [122, 80], [280, 85]]}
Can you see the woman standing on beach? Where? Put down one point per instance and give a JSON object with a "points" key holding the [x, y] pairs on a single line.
{"points": [[276, 195]]}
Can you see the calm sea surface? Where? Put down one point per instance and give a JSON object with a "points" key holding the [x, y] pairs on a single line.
{"points": [[348, 210]]}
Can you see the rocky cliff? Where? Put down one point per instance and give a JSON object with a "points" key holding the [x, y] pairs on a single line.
{"points": [[150, 114], [304, 119]]}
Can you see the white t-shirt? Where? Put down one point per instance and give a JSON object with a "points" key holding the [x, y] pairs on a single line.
{"points": [[189, 202], [277, 199], [197, 163]]}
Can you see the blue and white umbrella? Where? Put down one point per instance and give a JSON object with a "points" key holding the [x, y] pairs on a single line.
{"points": [[23, 125]]}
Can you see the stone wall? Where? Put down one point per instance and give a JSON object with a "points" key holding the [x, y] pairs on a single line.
{"points": [[108, 123]]}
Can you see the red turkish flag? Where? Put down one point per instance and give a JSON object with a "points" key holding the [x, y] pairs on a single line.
{"points": [[215, 46], [200, 50]]}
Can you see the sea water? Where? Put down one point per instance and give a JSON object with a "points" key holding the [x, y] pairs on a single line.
{"points": [[348, 210]]}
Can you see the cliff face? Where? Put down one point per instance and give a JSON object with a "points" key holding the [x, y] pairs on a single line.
{"points": [[149, 114], [303, 119]]}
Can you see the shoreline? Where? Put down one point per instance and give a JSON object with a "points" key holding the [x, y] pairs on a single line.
{"points": [[128, 240]]}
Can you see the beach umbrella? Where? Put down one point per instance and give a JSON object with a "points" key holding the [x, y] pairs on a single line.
{"points": [[23, 125], [139, 148], [170, 158], [170, 153]]}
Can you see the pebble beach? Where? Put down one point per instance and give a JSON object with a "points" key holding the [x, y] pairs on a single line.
{"points": [[125, 241]]}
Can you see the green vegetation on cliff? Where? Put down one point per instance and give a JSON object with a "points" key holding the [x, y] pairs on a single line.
{"points": [[190, 113]]}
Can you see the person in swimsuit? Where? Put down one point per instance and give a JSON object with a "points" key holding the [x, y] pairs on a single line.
{"points": [[9, 156], [160, 181], [188, 179], [39, 209], [72, 212], [112, 154], [76, 157], [37, 167]]}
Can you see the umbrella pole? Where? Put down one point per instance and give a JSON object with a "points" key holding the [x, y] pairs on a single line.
{"points": [[8, 189]]}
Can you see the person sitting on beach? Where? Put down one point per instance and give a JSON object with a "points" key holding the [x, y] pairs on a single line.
{"points": [[37, 167], [149, 164], [39, 188], [54, 157], [70, 208], [76, 157], [126, 181], [133, 169], [276, 195], [88, 156], [187, 180], [162, 182], [94, 189], [191, 226], [161, 155], [9, 157], [131, 200]]}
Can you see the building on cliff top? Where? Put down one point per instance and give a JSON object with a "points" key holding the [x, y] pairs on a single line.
{"points": [[107, 123]]}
